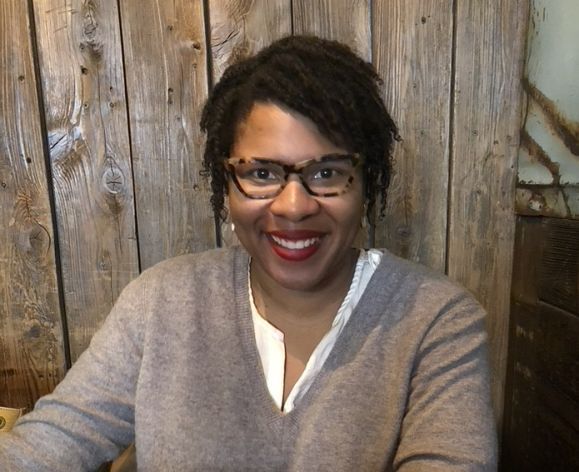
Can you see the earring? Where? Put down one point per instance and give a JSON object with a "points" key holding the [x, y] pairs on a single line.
{"points": [[364, 222], [232, 226]]}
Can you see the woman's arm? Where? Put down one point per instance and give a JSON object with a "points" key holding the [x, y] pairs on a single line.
{"points": [[449, 423], [89, 417]]}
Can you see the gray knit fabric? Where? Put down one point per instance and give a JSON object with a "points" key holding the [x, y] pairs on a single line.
{"points": [[175, 368]]}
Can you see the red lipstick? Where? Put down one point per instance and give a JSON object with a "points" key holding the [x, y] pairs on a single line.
{"points": [[295, 245]]}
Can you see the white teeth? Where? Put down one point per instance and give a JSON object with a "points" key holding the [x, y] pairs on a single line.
{"points": [[300, 244]]}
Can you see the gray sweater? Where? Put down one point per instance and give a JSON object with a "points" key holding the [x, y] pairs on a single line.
{"points": [[175, 368]]}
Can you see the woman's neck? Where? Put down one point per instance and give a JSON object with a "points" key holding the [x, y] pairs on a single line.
{"points": [[287, 307]]}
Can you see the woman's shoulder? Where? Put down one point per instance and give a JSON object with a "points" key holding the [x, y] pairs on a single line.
{"points": [[401, 267], [211, 260], [419, 300], [413, 277], [193, 269]]}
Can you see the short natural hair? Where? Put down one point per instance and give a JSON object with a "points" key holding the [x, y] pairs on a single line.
{"points": [[320, 79]]}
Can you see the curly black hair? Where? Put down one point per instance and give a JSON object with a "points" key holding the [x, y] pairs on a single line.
{"points": [[321, 79]]}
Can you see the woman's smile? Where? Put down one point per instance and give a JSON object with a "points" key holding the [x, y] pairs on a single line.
{"points": [[295, 245]]}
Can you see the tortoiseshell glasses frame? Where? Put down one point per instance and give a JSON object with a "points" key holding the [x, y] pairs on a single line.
{"points": [[329, 175]]}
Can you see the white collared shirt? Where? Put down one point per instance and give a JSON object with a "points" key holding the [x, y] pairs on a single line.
{"points": [[270, 340]]}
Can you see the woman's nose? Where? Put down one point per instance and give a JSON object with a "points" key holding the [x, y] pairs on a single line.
{"points": [[294, 202]]}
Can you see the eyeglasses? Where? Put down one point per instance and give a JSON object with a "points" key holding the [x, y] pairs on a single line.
{"points": [[326, 176]]}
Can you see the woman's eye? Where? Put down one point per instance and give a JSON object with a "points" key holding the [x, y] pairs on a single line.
{"points": [[262, 174], [323, 174]]}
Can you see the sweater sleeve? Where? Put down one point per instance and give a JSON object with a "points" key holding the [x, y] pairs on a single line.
{"points": [[89, 417], [449, 424]]}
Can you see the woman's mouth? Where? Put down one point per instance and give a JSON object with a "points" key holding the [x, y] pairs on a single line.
{"points": [[295, 247], [295, 244]]}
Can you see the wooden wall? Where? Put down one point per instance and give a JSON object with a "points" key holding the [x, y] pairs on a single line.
{"points": [[100, 149], [542, 397]]}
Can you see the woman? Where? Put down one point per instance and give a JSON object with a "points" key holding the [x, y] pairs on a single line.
{"points": [[297, 351]]}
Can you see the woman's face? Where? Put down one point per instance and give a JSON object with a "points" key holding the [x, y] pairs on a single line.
{"points": [[297, 240]]}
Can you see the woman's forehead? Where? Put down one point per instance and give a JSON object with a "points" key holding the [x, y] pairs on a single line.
{"points": [[273, 131]]}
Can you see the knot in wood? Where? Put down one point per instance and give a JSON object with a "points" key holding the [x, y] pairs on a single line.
{"points": [[63, 141], [113, 179], [34, 241], [91, 30], [104, 263], [34, 332], [403, 231], [59, 143]]}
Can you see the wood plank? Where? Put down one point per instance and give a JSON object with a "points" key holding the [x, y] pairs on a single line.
{"points": [[166, 74], [559, 277], [526, 261], [489, 42], [86, 119], [347, 21], [240, 28], [528, 253], [546, 341], [543, 441], [412, 43], [542, 395], [32, 359], [542, 430]]}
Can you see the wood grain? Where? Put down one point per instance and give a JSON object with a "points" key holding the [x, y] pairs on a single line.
{"points": [[559, 280], [542, 397], [86, 119], [542, 428], [32, 359], [487, 118], [240, 28], [412, 44], [166, 74], [347, 21], [527, 256]]}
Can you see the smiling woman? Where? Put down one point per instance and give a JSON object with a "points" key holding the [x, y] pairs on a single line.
{"points": [[297, 240], [297, 350]]}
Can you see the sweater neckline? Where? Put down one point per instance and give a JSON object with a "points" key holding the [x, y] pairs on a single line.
{"points": [[242, 308], [280, 422]]}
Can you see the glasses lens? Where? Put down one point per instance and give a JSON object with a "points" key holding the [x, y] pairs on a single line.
{"points": [[331, 176], [259, 179]]}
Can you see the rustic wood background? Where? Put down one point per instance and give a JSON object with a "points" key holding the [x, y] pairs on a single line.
{"points": [[100, 149], [541, 430]]}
